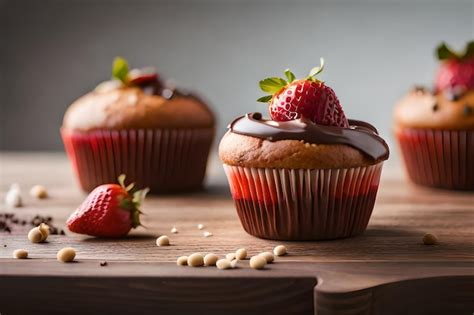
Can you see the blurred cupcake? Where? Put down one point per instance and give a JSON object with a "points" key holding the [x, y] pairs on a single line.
{"points": [[137, 125], [308, 173], [435, 130]]}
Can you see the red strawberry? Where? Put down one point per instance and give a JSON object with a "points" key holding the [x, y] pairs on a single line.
{"points": [[134, 77], [142, 76], [110, 210], [456, 71], [309, 98]]}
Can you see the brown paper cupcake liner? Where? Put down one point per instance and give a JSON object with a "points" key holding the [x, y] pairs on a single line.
{"points": [[165, 160], [438, 158], [304, 204]]}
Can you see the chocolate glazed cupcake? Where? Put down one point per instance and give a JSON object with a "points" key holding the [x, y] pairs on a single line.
{"points": [[435, 130], [308, 173], [137, 125]]}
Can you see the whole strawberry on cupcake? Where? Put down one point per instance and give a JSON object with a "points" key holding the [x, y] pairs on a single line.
{"points": [[140, 125], [307, 172], [435, 129]]}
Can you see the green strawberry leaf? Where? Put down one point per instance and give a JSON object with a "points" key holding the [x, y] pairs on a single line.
{"points": [[120, 69], [265, 99], [290, 75], [444, 52], [272, 85], [127, 204], [469, 52], [316, 70]]}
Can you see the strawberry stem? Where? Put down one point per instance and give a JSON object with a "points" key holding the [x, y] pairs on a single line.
{"points": [[132, 204], [316, 70]]}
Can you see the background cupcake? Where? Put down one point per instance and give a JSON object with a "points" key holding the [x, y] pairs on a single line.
{"points": [[306, 174], [137, 125], [435, 130]]}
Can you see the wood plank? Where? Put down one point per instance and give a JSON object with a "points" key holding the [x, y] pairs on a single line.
{"points": [[380, 272]]}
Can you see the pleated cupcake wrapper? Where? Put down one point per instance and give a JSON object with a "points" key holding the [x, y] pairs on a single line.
{"points": [[439, 158], [304, 204], [165, 160]]}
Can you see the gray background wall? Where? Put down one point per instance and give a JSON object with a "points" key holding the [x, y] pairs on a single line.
{"points": [[53, 51]]}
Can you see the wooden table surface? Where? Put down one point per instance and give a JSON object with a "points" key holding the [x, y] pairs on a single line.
{"points": [[387, 270]]}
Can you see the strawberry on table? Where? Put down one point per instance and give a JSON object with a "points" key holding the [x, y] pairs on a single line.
{"points": [[456, 71], [310, 98], [110, 210]]}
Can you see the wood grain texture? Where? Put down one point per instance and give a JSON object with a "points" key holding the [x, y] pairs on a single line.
{"points": [[384, 271]]}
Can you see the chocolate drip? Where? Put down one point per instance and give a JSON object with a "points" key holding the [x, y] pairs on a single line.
{"points": [[360, 135]]}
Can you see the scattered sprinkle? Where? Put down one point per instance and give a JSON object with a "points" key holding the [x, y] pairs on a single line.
{"points": [[430, 239], [13, 198], [20, 254], [39, 191], [66, 254], [257, 262], [241, 254], [174, 230], [35, 235], [230, 256], [207, 234], [210, 259], [182, 261], [200, 226], [44, 228], [196, 260], [8, 221], [163, 240], [223, 264], [268, 257], [233, 263], [279, 250]]}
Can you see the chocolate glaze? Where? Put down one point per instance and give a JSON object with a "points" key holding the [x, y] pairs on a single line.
{"points": [[360, 135]]}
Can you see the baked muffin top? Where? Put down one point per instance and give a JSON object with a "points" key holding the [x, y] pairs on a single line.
{"points": [[441, 111], [451, 104], [137, 99], [300, 144], [132, 108]]}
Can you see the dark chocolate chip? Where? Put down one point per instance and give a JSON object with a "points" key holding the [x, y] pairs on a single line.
{"points": [[454, 94], [7, 229], [103, 263], [435, 107], [467, 110], [62, 232], [5, 245], [419, 88]]}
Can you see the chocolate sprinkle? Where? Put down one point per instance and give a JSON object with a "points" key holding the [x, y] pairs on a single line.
{"points": [[103, 263], [8, 222]]}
